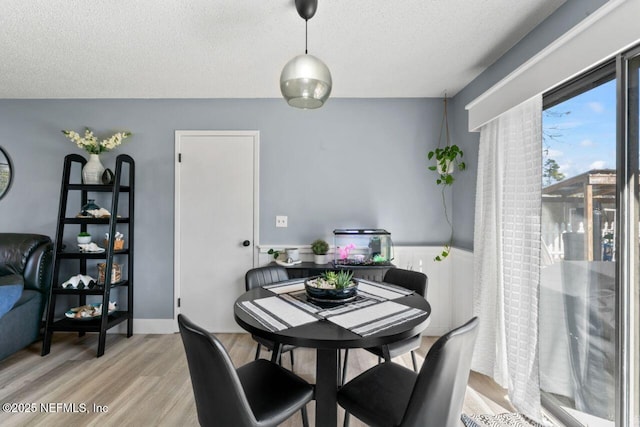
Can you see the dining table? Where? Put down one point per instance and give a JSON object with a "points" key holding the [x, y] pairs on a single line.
{"points": [[379, 314]]}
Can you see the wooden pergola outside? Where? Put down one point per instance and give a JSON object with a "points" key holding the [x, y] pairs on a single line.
{"points": [[597, 185]]}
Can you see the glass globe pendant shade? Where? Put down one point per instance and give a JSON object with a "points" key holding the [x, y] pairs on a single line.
{"points": [[305, 82]]}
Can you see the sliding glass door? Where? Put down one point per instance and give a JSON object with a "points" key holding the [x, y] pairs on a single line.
{"points": [[589, 296], [577, 322]]}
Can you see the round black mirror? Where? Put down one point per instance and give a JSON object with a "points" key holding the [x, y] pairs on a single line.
{"points": [[6, 172]]}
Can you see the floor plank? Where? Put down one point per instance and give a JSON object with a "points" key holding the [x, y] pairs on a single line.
{"points": [[144, 381]]}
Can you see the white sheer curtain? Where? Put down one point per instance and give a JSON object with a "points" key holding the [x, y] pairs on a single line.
{"points": [[507, 253]]}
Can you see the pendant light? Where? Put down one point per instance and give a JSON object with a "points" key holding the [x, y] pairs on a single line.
{"points": [[305, 82]]}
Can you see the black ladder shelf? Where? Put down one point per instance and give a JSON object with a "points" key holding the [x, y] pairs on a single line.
{"points": [[69, 255]]}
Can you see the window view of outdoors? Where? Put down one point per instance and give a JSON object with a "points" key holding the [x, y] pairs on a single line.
{"points": [[577, 296]]}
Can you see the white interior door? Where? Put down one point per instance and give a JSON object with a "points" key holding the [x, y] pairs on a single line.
{"points": [[216, 215]]}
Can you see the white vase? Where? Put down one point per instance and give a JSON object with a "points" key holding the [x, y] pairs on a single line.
{"points": [[320, 259], [93, 170], [82, 240], [293, 253]]}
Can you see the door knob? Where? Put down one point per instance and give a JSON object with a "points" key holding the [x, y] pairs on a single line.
{"points": [[246, 243]]}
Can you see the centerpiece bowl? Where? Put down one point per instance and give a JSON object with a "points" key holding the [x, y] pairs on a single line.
{"points": [[332, 287]]}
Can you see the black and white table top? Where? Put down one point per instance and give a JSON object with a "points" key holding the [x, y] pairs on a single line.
{"points": [[381, 314]]}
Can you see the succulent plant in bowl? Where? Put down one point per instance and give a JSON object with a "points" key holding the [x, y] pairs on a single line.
{"points": [[332, 286], [343, 279]]}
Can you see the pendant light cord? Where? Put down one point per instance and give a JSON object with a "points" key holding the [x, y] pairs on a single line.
{"points": [[306, 21]]}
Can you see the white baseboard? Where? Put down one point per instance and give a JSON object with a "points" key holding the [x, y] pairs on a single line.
{"points": [[157, 326], [148, 326]]}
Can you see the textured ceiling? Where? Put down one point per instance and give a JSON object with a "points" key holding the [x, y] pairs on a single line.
{"points": [[237, 48]]}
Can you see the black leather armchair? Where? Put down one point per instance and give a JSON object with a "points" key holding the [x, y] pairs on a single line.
{"points": [[259, 394], [26, 262], [392, 395]]}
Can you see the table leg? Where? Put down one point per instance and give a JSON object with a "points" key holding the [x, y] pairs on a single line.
{"points": [[276, 353], [326, 387]]}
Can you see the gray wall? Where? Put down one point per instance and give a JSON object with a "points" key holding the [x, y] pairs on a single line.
{"points": [[353, 163], [464, 191]]}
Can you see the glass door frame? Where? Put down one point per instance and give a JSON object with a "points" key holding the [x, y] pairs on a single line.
{"points": [[627, 229]]}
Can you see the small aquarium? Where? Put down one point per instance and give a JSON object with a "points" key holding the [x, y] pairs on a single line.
{"points": [[362, 247]]}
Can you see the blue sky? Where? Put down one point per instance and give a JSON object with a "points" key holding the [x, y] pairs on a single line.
{"points": [[585, 129]]}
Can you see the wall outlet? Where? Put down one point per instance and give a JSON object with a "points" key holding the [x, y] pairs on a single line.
{"points": [[281, 221]]}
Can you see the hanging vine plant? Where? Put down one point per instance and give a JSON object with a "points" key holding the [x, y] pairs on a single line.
{"points": [[447, 159]]}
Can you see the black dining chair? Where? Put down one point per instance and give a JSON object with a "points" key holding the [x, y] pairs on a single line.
{"points": [[262, 276], [391, 395], [408, 279], [259, 394]]}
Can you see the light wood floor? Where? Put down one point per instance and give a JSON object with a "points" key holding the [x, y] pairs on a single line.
{"points": [[144, 381]]}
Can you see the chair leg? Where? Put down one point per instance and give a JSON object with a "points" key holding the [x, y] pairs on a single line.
{"points": [[292, 361], [413, 359], [344, 366], [305, 419], [258, 351], [386, 355], [346, 419]]}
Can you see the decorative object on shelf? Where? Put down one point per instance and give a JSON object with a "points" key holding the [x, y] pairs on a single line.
{"points": [[332, 286], [362, 247], [107, 177], [118, 241], [89, 311], [305, 81], [293, 254], [89, 206], [288, 262], [95, 213], [93, 170], [447, 160], [79, 281], [116, 273], [91, 248], [83, 238], [6, 172], [100, 213], [90, 142], [319, 248]]}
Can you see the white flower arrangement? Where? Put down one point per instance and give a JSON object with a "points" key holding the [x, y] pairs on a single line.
{"points": [[90, 143]]}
